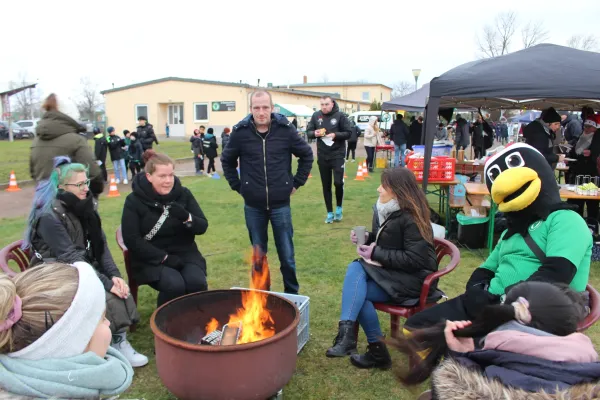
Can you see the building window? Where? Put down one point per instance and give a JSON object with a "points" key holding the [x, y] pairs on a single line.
{"points": [[200, 112], [141, 110], [366, 96]]}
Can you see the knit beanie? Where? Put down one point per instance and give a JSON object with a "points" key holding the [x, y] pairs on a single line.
{"points": [[549, 115], [210, 130], [110, 129]]}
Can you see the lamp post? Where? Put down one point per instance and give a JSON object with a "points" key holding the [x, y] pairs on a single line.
{"points": [[416, 73]]}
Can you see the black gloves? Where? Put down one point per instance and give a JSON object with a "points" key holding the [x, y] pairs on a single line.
{"points": [[173, 262], [178, 212]]}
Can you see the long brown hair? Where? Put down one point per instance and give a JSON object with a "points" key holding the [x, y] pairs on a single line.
{"points": [[403, 184]]}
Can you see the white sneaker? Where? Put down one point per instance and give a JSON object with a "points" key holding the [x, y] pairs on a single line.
{"points": [[135, 359], [125, 182], [118, 181]]}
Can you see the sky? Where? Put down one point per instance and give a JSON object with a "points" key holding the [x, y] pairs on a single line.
{"points": [[130, 41]]}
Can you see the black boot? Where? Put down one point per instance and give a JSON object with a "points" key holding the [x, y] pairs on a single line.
{"points": [[344, 343], [377, 356]]}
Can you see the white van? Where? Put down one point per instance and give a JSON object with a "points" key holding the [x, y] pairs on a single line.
{"points": [[29, 125], [361, 119]]}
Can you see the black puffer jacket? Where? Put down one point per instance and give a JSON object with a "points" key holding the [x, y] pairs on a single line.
{"points": [[334, 122], [146, 136], [406, 258], [59, 235], [537, 136], [115, 147], [399, 132], [143, 207]]}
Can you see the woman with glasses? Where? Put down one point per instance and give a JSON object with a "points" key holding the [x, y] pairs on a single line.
{"points": [[64, 226]]}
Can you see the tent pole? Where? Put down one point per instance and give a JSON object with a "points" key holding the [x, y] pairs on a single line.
{"points": [[431, 112]]}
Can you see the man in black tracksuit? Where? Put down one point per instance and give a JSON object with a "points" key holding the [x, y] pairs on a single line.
{"points": [[145, 133], [332, 128]]}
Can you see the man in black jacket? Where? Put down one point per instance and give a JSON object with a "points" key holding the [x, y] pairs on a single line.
{"points": [[146, 133], [264, 144], [540, 135], [332, 128], [100, 151], [399, 133], [416, 131]]}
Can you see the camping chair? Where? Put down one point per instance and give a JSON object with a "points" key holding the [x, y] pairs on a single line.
{"points": [[13, 252], [594, 314], [442, 248], [133, 286]]}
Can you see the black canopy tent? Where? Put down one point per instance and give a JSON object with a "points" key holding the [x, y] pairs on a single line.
{"points": [[415, 101], [535, 78]]}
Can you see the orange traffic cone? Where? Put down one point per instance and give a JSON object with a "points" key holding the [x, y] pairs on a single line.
{"points": [[345, 175], [365, 169], [359, 174], [12, 183], [112, 190]]}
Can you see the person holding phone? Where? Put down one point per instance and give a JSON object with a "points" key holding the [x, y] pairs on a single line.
{"points": [[396, 257]]}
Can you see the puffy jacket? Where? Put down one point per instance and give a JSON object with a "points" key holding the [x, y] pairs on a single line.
{"points": [[334, 122], [135, 150], [224, 140], [541, 138], [477, 134], [399, 132], [146, 136], [266, 180], [462, 137], [143, 207], [57, 134], [354, 134], [100, 147], [115, 147], [196, 142], [209, 145], [406, 258], [573, 128], [59, 234]]}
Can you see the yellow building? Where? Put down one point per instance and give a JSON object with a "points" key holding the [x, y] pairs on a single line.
{"points": [[357, 91], [185, 104]]}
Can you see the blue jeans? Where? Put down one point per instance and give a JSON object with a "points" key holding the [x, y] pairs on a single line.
{"points": [[358, 294], [257, 222], [399, 154], [120, 170]]}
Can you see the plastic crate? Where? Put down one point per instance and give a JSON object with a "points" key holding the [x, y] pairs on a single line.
{"points": [[440, 168], [303, 305]]}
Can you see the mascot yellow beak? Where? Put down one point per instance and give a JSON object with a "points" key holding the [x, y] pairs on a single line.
{"points": [[516, 188]]}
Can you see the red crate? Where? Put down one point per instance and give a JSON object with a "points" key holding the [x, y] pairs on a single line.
{"points": [[440, 168]]}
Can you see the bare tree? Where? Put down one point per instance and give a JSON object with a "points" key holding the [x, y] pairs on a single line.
{"points": [[27, 102], [88, 99], [583, 42], [496, 38], [402, 87], [533, 33]]}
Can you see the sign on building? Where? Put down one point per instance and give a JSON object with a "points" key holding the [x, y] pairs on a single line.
{"points": [[223, 105]]}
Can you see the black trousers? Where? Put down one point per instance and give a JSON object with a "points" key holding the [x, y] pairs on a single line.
{"points": [[211, 165], [199, 163], [370, 157], [327, 169], [351, 148], [176, 283], [478, 152], [135, 168], [103, 169]]}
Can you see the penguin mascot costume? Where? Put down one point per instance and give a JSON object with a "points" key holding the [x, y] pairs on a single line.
{"points": [[545, 241]]}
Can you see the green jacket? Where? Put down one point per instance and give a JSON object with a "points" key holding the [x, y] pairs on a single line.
{"points": [[57, 134]]}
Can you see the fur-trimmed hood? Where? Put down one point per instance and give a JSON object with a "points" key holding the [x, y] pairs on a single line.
{"points": [[453, 381]]}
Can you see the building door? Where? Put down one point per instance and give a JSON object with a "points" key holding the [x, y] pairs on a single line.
{"points": [[175, 120]]}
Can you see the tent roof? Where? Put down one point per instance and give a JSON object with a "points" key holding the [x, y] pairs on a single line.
{"points": [[535, 78], [414, 101], [297, 110]]}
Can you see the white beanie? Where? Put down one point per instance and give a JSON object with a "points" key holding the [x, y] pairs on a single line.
{"points": [[71, 334]]}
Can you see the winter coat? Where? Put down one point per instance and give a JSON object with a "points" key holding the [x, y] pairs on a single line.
{"points": [[477, 134], [57, 134], [492, 374], [441, 133], [503, 128], [585, 165], [100, 147], [354, 134], [59, 235], [135, 151], [399, 132], [224, 140], [370, 137], [196, 142], [573, 128], [146, 136], [334, 122], [265, 161], [115, 147], [406, 258], [210, 146], [414, 135], [537, 136], [462, 137], [143, 207]]}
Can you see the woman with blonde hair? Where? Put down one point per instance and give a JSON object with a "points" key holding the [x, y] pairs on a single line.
{"points": [[55, 338], [371, 140]]}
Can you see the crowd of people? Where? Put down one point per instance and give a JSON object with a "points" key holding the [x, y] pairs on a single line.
{"points": [[513, 330]]}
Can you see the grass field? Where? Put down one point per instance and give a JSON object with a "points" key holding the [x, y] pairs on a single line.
{"points": [[15, 155], [322, 254]]}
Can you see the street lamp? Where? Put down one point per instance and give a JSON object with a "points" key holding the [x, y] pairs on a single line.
{"points": [[416, 73]]}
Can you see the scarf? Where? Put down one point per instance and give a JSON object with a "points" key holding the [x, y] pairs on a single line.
{"points": [[80, 377], [142, 187], [89, 218], [385, 209], [584, 142]]}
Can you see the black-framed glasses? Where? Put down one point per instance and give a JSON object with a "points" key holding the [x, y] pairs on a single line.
{"points": [[80, 185]]}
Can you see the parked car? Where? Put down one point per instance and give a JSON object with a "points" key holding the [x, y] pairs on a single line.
{"points": [[18, 132], [29, 125]]}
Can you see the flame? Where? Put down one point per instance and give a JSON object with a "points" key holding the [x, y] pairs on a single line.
{"points": [[212, 326]]}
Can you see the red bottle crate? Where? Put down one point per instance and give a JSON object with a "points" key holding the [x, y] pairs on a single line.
{"points": [[440, 168]]}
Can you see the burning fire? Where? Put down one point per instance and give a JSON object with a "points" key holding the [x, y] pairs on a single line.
{"points": [[256, 321]]}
